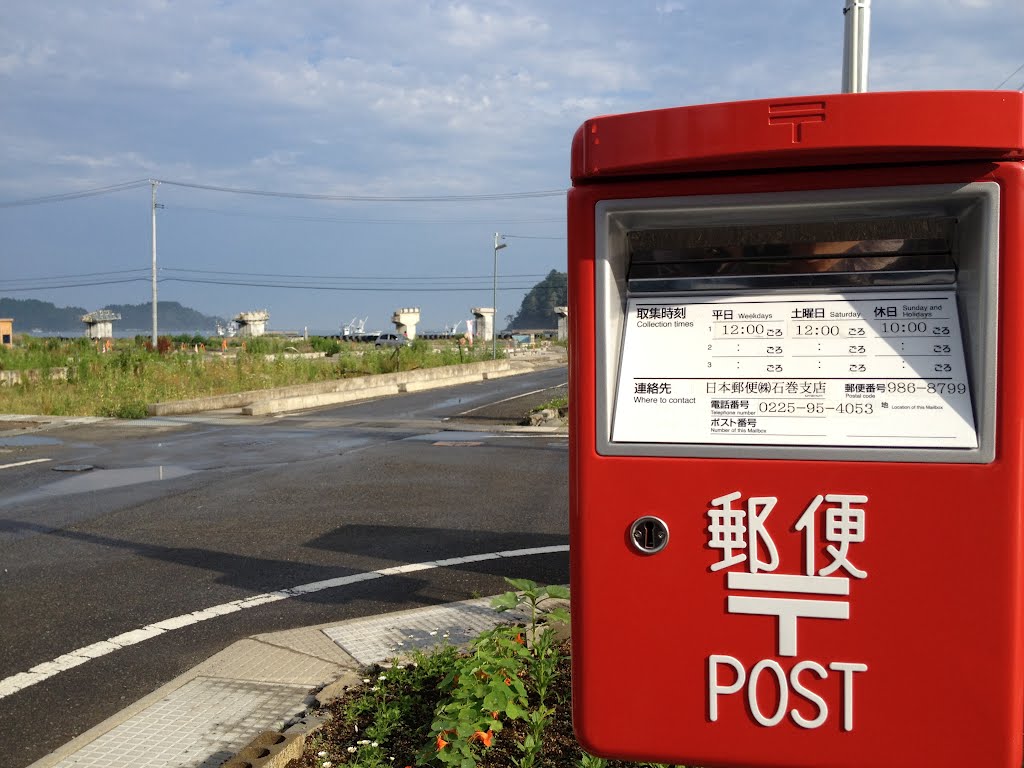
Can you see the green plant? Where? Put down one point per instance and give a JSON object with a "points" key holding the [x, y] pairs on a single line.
{"points": [[259, 346], [531, 594], [481, 689], [127, 410], [489, 685], [543, 656], [590, 761], [329, 347], [530, 746], [375, 722]]}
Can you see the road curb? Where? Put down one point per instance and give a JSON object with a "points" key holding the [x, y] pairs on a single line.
{"points": [[275, 749]]}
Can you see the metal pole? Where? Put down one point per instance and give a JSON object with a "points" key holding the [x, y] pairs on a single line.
{"points": [[494, 297], [154, 183], [857, 32], [494, 302]]}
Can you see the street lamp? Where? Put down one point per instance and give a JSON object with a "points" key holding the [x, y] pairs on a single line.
{"points": [[498, 245]]}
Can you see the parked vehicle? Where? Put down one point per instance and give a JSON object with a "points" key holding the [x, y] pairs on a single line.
{"points": [[391, 340]]}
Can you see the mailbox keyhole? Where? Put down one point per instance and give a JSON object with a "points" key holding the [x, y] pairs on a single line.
{"points": [[648, 535]]}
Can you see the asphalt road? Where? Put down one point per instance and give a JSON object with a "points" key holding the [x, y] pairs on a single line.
{"points": [[182, 514]]}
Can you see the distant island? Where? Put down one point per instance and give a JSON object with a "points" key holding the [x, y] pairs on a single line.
{"points": [[31, 314]]}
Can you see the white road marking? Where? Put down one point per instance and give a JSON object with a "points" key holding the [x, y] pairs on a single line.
{"points": [[514, 397], [46, 670], [22, 463]]}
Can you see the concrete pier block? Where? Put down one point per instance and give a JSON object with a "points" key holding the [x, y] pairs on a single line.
{"points": [[100, 324], [484, 321], [563, 322], [406, 319], [252, 324]]}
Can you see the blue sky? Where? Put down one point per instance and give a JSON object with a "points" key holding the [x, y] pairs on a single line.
{"points": [[381, 99]]}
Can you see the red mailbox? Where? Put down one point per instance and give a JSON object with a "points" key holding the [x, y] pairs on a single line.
{"points": [[796, 445]]}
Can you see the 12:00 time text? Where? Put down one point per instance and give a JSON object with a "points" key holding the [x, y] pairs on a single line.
{"points": [[749, 329]]}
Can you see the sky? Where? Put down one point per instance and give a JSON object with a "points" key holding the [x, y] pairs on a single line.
{"points": [[331, 160]]}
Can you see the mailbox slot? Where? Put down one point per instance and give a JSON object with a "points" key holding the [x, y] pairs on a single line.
{"points": [[843, 254]]}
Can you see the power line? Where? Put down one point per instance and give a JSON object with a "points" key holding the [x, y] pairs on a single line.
{"points": [[58, 198], [336, 220], [389, 278], [42, 283], [125, 271], [1018, 69], [370, 198], [483, 197], [349, 288], [24, 289], [276, 285]]}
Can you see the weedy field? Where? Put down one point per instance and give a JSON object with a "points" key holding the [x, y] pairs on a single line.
{"points": [[87, 378]]}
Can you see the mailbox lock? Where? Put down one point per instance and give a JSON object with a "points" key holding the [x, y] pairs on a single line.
{"points": [[649, 535]]}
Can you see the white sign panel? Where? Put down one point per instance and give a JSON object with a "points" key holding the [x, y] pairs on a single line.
{"points": [[856, 369]]}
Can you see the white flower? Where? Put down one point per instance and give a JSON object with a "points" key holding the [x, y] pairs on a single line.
{"points": [[363, 742], [321, 754], [383, 677], [433, 633], [374, 744], [351, 750], [366, 679], [375, 688], [327, 764]]}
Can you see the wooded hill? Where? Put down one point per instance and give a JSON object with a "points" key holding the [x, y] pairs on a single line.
{"points": [[538, 307], [173, 317]]}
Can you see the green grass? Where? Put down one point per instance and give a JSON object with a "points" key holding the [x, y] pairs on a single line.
{"points": [[122, 381], [555, 404]]}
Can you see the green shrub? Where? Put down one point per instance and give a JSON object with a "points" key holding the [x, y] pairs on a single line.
{"points": [[127, 410], [329, 347]]}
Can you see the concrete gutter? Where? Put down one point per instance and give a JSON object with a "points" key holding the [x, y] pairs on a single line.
{"points": [[265, 401]]}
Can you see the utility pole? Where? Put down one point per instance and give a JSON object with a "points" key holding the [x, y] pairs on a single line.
{"points": [[153, 183], [857, 21]]}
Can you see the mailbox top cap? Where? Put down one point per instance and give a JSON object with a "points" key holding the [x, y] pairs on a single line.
{"points": [[804, 131]]}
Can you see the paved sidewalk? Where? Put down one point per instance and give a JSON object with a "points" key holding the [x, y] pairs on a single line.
{"points": [[262, 683]]}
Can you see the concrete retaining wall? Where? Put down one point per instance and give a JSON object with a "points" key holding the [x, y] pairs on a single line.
{"points": [[264, 401], [10, 378], [300, 402]]}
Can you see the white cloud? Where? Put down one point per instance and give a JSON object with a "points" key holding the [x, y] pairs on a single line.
{"points": [[391, 97], [101, 162], [672, 6], [478, 31]]}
